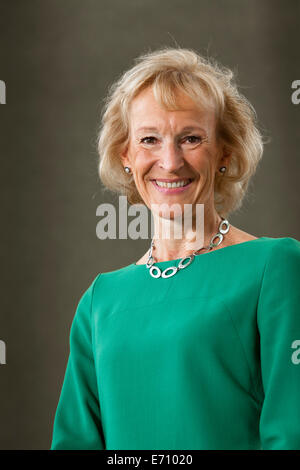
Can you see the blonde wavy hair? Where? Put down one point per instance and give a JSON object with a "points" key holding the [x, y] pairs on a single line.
{"points": [[206, 82]]}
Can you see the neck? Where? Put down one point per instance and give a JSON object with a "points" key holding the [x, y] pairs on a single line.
{"points": [[179, 237]]}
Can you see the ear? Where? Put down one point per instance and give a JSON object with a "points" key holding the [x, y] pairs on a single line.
{"points": [[124, 157], [225, 157]]}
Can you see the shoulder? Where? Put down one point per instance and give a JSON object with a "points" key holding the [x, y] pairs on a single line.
{"points": [[280, 286], [284, 252], [281, 273], [265, 257], [84, 305], [281, 247], [285, 245], [110, 284], [278, 251]]}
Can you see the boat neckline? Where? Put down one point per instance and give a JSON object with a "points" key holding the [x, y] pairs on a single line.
{"points": [[203, 254]]}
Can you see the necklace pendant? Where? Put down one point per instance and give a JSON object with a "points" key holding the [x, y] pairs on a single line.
{"points": [[220, 239], [184, 264], [168, 272], [155, 272], [173, 270]]}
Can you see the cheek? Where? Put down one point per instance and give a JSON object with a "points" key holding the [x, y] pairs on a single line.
{"points": [[143, 162], [202, 161]]}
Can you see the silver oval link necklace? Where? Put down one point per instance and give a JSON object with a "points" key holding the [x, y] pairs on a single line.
{"points": [[156, 272]]}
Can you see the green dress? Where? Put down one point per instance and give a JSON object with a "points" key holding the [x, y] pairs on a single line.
{"points": [[206, 359]]}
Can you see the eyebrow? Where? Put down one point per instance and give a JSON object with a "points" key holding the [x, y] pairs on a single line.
{"points": [[185, 129]]}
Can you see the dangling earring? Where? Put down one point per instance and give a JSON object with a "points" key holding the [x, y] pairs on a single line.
{"points": [[127, 169], [222, 169]]}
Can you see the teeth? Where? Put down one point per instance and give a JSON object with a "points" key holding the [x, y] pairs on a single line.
{"points": [[162, 184]]}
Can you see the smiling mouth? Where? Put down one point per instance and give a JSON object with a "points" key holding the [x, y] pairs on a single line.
{"points": [[179, 183]]}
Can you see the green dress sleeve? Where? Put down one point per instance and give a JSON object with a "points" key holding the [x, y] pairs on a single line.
{"points": [[77, 423], [278, 317]]}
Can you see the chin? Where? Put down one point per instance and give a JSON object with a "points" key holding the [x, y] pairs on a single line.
{"points": [[167, 211]]}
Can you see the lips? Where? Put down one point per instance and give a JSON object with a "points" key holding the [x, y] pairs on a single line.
{"points": [[166, 187], [174, 180], [172, 184]]}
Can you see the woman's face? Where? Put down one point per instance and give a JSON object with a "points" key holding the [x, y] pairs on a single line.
{"points": [[169, 146]]}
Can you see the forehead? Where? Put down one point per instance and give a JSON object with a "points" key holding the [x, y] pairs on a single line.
{"points": [[145, 111]]}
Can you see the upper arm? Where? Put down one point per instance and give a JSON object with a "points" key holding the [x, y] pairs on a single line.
{"points": [[278, 317], [77, 423]]}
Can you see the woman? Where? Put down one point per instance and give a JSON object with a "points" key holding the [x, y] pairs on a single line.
{"points": [[204, 354]]}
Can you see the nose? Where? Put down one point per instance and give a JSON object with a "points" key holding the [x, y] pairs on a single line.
{"points": [[171, 157]]}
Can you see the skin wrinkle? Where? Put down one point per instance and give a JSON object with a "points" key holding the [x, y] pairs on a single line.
{"points": [[171, 155]]}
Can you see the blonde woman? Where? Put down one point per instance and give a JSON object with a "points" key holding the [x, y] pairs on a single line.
{"points": [[188, 347]]}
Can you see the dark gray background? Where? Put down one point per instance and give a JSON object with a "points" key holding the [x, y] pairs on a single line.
{"points": [[58, 58]]}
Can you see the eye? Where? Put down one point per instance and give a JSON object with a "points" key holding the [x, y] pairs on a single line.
{"points": [[144, 140], [193, 139]]}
